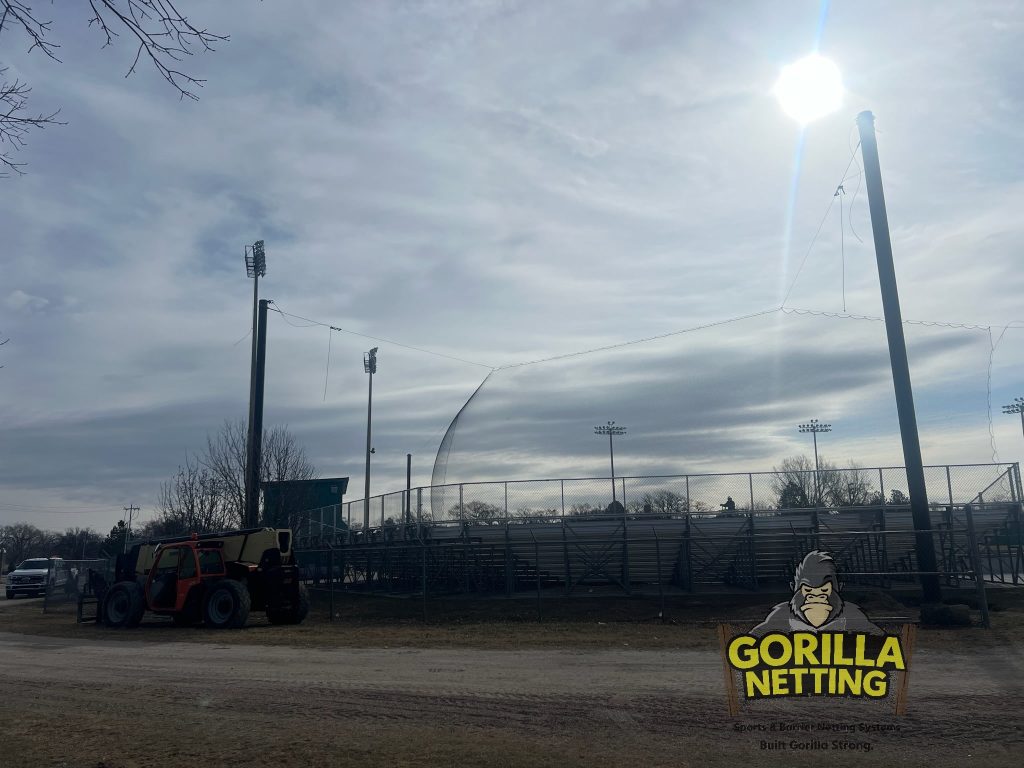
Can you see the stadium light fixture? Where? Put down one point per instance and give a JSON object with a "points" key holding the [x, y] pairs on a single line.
{"points": [[611, 430], [814, 428], [1017, 406], [255, 260]]}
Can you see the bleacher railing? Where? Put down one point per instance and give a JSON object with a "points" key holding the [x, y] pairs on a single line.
{"points": [[497, 502]]}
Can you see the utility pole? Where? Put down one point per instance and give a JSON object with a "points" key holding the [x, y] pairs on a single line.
{"points": [[129, 511], [370, 367], [252, 500], [255, 267], [814, 428], [408, 488], [925, 545], [611, 430]]}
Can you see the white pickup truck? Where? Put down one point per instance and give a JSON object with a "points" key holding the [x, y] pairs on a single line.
{"points": [[33, 577]]}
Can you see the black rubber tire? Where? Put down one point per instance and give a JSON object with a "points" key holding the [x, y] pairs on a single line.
{"points": [[124, 605], [226, 605], [10, 595], [294, 615]]}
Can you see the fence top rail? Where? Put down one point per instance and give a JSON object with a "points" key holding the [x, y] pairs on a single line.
{"points": [[1003, 466]]}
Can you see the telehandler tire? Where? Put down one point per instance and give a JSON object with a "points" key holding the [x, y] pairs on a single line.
{"points": [[227, 605], [124, 605], [294, 615]]}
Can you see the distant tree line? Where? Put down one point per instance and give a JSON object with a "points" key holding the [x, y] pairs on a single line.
{"points": [[24, 540]]}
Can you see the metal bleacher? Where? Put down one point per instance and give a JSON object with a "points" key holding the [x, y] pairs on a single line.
{"points": [[735, 550]]}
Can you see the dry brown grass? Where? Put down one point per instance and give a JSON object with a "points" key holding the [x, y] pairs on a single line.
{"points": [[578, 623]]}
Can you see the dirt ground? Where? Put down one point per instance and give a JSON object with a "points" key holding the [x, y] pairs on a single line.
{"points": [[481, 684]]}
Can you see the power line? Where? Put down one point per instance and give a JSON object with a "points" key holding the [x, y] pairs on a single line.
{"points": [[818, 231], [618, 345], [991, 360], [848, 316], [840, 193], [988, 397], [312, 323], [641, 341], [940, 324], [327, 373], [859, 177]]}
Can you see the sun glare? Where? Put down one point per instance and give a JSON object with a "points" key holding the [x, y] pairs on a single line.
{"points": [[809, 88]]}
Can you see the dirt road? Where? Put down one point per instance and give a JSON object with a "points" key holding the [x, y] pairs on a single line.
{"points": [[80, 703]]}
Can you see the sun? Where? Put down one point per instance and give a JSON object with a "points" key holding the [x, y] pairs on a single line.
{"points": [[809, 88]]}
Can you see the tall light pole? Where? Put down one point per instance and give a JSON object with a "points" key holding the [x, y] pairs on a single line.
{"points": [[814, 428], [925, 545], [255, 461], [370, 367], [812, 88], [611, 430], [1017, 406], [255, 267]]}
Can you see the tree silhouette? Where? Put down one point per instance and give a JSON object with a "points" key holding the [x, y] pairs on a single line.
{"points": [[163, 34]]}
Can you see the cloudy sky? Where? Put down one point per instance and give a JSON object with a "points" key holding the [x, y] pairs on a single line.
{"points": [[503, 182]]}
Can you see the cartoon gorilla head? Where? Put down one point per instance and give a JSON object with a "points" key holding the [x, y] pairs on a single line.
{"points": [[816, 589]]}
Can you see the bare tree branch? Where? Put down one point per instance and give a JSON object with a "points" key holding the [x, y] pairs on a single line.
{"points": [[17, 13], [14, 124], [164, 36], [282, 459]]}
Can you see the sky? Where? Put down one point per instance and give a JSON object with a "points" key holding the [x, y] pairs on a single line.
{"points": [[504, 182]]}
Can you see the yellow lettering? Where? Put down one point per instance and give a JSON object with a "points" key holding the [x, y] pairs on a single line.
{"points": [[760, 681], [780, 685], [837, 658], [743, 652], [875, 683], [806, 646], [891, 653], [861, 660], [818, 672], [798, 679], [785, 650], [850, 681]]}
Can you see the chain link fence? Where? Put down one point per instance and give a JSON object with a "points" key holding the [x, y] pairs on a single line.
{"points": [[874, 547], [667, 534], [671, 495]]}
